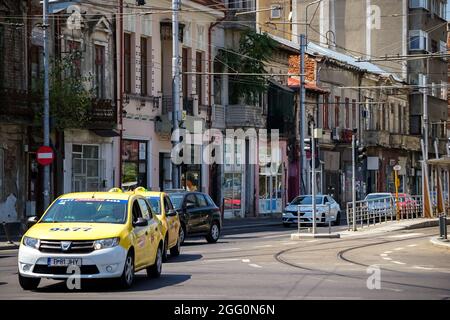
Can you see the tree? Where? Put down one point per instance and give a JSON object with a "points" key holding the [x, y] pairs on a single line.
{"points": [[254, 51], [70, 100]]}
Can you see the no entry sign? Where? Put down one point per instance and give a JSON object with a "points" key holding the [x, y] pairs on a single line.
{"points": [[45, 156]]}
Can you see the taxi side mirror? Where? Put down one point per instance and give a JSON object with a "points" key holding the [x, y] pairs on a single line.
{"points": [[32, 221], [140, 222]]}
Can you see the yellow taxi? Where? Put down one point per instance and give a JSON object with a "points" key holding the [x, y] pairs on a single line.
{"points": [[166, 213], [93, 235]]}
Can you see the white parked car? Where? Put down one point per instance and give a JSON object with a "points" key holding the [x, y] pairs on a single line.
{"points": [[327, 210], [380, 203]]}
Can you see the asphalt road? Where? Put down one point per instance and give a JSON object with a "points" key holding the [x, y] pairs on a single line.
{"points": [[265, 264]]}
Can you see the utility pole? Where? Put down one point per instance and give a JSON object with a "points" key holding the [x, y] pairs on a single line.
{"points": [[46, 117], [175, 87], [313, 178], [354, 179], [303, 174]]}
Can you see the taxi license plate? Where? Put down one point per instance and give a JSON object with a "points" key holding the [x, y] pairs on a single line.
{"points": [[63, 262]]}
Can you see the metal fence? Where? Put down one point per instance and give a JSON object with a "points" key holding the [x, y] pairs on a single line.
{"points": [[376, 211], [323, 214]]}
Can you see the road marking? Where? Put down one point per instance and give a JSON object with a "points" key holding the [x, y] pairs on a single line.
{"points": [[289, 243], [275, 236], [412, 245], [229, 249], [246, 260], [254, 265], [398, 249], [387, 258], [398, 262], [422, 268], [264, 246], [383, 254], [387, 252], [406, 235], [312, 241], [392, 289], [221, 260]]}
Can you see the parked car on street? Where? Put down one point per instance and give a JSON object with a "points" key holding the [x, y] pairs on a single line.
{"points": [[380, 203], [199, 215], [327, 210], [102, 234], [166, 213]]}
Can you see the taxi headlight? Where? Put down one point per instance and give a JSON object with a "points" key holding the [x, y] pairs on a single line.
{"points": [[31, 242], [106, 243]]}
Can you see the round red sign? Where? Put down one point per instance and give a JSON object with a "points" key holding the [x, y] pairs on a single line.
{"points": [[45, 156]]}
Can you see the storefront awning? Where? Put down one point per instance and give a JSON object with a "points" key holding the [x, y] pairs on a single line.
{"points": [[106, 133]]}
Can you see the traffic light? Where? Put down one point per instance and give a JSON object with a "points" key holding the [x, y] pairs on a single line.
{"points": [[362, 153]]}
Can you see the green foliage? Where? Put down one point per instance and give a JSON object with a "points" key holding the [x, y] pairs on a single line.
{"points": [[70, 101], [254, 50]]}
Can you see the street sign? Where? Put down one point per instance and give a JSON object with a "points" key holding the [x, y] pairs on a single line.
{"points": [[397, 167], [45, 156]]}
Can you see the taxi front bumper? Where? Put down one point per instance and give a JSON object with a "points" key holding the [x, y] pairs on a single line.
{"points": [[104, 263]]}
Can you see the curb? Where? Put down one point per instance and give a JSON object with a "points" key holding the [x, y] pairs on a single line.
{"points": [[444, 244], [9, 247], [301, 236], [246, 226]]}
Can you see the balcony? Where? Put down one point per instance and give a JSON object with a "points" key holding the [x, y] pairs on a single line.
{"points": [[244, 116], [102, 115], [391, 140], [17, 105]]}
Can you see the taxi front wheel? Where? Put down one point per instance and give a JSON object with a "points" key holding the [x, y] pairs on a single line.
{"points": [[127, 277], [29, 283], [154, 271]]}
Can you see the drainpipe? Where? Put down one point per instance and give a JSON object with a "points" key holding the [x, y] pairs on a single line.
{"points": [[209, 114], [120, 93]]}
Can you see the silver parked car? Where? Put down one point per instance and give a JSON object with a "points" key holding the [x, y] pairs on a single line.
{"points": [[327, 210]]}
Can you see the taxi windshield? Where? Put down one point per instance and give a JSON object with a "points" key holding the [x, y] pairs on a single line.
{"points": [[87, 210], [155, 204]]}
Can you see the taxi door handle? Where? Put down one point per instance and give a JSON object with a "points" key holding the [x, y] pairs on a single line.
{"points": [[146, 233]]}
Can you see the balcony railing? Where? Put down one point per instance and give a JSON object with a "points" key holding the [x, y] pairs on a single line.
{"points": [[103, 114]]}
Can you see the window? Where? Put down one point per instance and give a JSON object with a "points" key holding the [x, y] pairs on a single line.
{"points": [[100, 71], [275, 11], [2, 173], [336, 111], [444, 90], [127, 63], [419, 4], [37, 66], [167, 204], [326, 99], [134, 164], [87, 168], [354, 125], [434, 46], [190, 198], [137, 213], [201, 200], [399, 119], [199, 76], [185, 68], [74, 49], [434, 89], [145, 209], [418, 40], [347, 113], [145, 63]]}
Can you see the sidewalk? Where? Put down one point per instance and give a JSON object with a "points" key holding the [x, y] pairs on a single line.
{"points": [[392, 226], [4, 245], [249, 222]]}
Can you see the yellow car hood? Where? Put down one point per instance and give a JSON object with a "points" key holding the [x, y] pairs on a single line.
{"points": [[75, 231]]}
